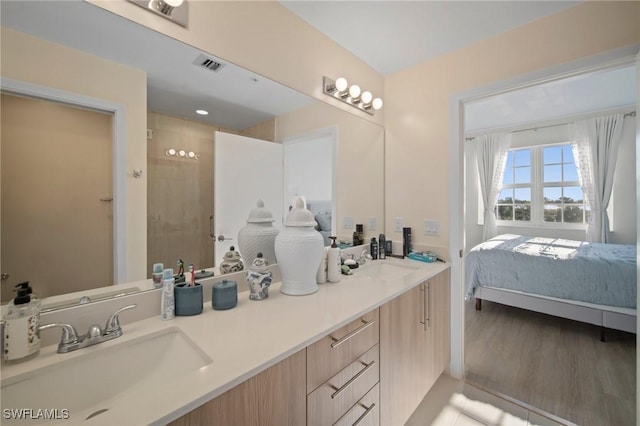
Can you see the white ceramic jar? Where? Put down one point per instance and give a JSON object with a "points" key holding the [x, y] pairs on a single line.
{"points": [[258, 236], [299, 250]]}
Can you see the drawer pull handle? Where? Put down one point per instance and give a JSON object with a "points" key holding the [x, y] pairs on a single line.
{"points": [[364, 326], [365, 414], [344, 387]]}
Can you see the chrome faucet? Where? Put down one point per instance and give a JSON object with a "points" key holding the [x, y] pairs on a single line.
{"points": [[70, 341], [364, 256]]}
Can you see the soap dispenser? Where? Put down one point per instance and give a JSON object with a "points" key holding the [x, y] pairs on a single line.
{"points": [[21, 333], [334, 262]]}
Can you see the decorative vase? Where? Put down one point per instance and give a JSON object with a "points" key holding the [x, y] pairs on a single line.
{"points": [[258, 235], [259, 278], [231, 262], [299, 250]]}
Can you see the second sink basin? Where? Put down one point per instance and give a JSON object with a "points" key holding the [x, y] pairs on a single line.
{"points": [[92, 383], [384, 271]]}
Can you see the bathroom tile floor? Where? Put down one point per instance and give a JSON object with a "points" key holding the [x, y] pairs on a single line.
{"points": [[454, 403]]}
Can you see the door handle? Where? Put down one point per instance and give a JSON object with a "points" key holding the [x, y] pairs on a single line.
{"points": [[211, 234], [107, 199], [423, 308], [222, 238]]}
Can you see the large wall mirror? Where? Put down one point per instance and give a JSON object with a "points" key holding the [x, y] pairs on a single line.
{"points": [[102, 147]]}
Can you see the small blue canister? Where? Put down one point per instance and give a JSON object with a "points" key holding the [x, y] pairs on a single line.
{"points": [[224, 295]]}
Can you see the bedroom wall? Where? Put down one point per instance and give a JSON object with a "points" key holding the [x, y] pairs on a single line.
{"points": [[622, 212], [417, 101]]}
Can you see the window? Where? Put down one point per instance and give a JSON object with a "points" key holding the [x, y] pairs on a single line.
{"points": [[540, 187]]}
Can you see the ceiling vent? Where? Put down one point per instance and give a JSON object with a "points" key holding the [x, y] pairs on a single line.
{"points": [[208, 63]]}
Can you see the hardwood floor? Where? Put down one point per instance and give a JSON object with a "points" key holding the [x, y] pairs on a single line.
{"points": [[557, 365]]}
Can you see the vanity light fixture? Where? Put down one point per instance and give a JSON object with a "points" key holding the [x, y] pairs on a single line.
{"points": [[174, 10], [202, 112], [181, 153], [351, 95]]}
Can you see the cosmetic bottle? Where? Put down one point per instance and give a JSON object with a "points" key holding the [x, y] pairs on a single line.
{"points": [[360, 231], [21, 330], [373, 248], [382, 249], [406, 241], [334, 263], [321, 276], [168, 303]]}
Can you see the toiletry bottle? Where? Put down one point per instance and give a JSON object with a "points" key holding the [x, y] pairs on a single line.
{"points": [[360, 231], [334, 263], [21, 326], [355, 239], [168, 304], [321, 276], [406, 241], [373, 248], [382, 241], [156, 274]]}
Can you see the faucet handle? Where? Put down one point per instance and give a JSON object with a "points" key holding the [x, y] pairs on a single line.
{"points": [[113, 323], [69, 333]]}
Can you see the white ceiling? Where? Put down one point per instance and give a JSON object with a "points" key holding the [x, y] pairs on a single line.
{"points": [[393, 35], [389, 35], [560, 99]]}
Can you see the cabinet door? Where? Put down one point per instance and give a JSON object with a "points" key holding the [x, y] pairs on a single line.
{"points": [[277, 396], [440, 321], [403, 354]]}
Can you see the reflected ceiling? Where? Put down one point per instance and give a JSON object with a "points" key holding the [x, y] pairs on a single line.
{"points": [[235, 98]]}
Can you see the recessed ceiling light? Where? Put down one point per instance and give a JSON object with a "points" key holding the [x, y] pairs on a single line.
{"points": [[202, 112]]}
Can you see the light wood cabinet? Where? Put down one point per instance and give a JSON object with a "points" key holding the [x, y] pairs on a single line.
{"points": [[414, 347], [275, 397]]}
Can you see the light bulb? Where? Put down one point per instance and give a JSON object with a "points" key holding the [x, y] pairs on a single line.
{"points": [[341, 84], [171, 151], [366, 97], [182, 153], [377, 103], [191, 154], [202, 112], [354, 91]]}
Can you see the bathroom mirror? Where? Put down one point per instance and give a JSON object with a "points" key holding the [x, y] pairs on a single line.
{"points": [[251, 106]]}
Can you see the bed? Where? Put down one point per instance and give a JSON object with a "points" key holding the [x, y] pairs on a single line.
{"points": [[588, 282]]}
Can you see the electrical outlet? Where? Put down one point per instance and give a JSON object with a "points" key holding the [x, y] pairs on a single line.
{"points": [[372, 223], [348, 222], [397, 224], [431, 227]]}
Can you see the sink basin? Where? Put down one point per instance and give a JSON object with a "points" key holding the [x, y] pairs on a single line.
{"points": [[93, 383], [384, 271]]}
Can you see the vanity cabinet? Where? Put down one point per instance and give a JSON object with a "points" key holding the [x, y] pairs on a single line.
{"points": [[274, 397], [414, 347]]}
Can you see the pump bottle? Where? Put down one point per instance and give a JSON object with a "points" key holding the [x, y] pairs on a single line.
{"points": [[22, 326], [334, 263]]}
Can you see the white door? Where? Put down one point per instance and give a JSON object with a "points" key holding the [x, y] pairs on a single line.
{"points": [[246, 170]]}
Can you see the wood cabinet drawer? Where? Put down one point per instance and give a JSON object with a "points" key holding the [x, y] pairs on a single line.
{"points": [[366, 412], [337, 350], [337, 395]]}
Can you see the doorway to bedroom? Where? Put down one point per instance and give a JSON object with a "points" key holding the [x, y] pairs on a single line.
{"points": [[556, 365]]}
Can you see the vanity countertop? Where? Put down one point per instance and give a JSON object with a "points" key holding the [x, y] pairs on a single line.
{"points": [[242, 341]]}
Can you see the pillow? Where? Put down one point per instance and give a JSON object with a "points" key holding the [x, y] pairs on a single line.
{"points": [[324, 221]]}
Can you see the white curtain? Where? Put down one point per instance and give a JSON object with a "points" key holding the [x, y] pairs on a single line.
{"points": [[595, 149], [492, 150]]}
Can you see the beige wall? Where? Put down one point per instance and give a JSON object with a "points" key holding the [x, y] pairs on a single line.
{"points": [[359, 173], [417, 100], [266, 38], [84, 74]]}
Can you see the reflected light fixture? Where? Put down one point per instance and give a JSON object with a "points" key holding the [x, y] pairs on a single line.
{"points": [[351, 95], [202, 112], [174, 10], [181, 153]]}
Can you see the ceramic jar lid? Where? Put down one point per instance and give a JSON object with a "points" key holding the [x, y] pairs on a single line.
{"points": [[260, 214], [299, 215], [259, 264], [232, 255]]}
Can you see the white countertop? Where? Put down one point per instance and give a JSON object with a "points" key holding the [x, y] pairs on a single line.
{"points": [[242, 341]]}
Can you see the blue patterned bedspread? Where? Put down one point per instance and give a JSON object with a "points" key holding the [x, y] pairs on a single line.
{"points": [[604, 274]]}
